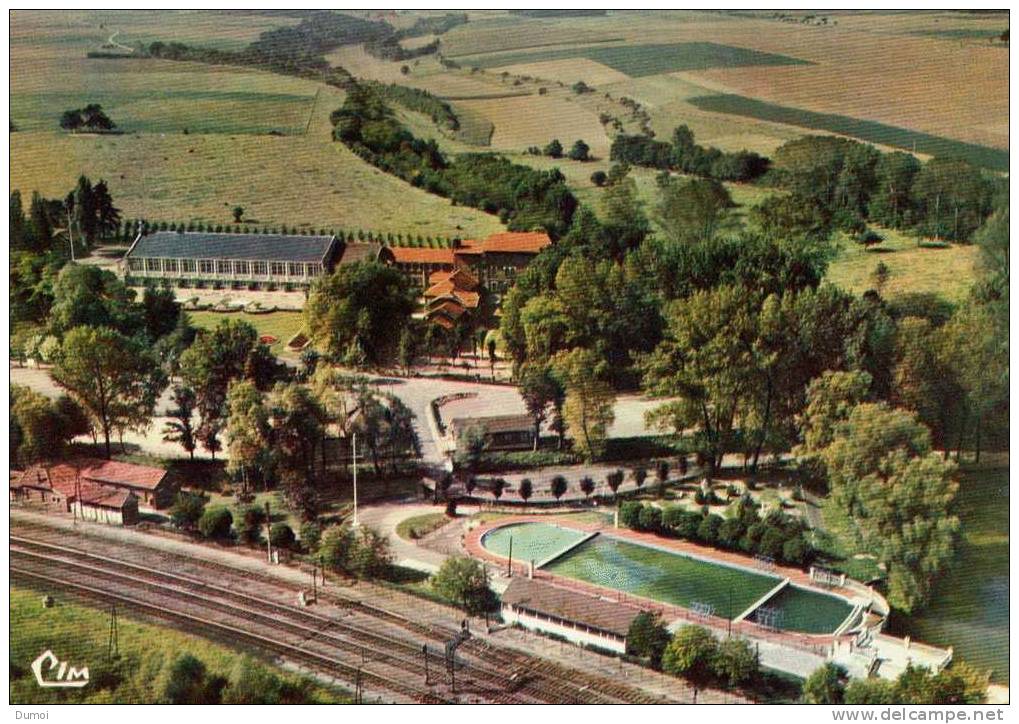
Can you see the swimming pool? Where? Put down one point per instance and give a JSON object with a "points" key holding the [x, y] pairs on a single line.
{"points": [[667, 576]]}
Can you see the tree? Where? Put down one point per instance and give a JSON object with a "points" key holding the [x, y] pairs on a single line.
{"points": [[215, 359], [189, 683], [95, 119], [370, 555], [539, 389], [238, 214], [579, 152], [691, 653], [248, 435], [879, 277], [830, 399], [826, 685], [892, 202], [553, 149], [622, 216], [180, 428], [498, 485], [952, 198], [891, 496], [614, 480], [647, 638], [588, 409], [736, 662], [526, 489], [215, 522], [86, 295], [559, 486], [598, 178], [356, 315], [587, 485], [465, 581], [71, 120], [114, 378], [187, 510], [639, 476], [662, 474], [693, 210], [252, 519], [44, 427]]}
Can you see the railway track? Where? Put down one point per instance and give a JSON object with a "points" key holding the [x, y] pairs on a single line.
{"points": [[484, 672]]}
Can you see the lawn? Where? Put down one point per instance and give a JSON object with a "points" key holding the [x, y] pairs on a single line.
{"points": [[77, 632], [637, 61], [871, 131], [969, 609], [948, 270], [281, 325], [668, 577], [421, 525]]}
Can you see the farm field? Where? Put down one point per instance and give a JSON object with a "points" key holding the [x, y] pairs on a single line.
{"points": [[78, 632], [877, 133], [282, 325], [227, 157], [636, 61], [948, 271]]}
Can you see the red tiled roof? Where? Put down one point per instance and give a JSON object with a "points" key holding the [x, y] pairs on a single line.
{"points": [[526, 242], [413, 255], [449, 308], [61, 476], [461, 277], [446, 290]]}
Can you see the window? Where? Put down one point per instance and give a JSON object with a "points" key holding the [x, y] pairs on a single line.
{"points": [[153, 265], [170, 265], [277, 268], [313, 270], [224, 267], [295, 270], [187, 265], [206, 266], [135, 264], [258, 268], [241, 267]]}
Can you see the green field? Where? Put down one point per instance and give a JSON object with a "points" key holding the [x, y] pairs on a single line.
{"points": [[78, 634], [282, 325], [642, 60], [945, 270], [531, 541], [970, 605], [808, 611], [871, 131]]}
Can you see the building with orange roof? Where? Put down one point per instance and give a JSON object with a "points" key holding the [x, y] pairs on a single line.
{"points": [[495, 261], [95, 481]]}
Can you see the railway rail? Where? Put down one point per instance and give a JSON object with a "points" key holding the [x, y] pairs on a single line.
{"points": [[484, 672]]}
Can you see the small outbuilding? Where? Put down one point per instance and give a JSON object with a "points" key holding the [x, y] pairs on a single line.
{"points": [[502, 432], [580, 618]]}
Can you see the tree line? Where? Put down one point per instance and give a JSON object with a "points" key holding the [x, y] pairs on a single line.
{"points": [[523, 198], [684, 155]]}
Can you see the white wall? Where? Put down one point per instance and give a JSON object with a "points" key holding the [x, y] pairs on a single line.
{"points": [[573, 635]]}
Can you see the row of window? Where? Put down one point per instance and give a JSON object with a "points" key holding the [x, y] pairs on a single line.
{"points": [[236, 268]]}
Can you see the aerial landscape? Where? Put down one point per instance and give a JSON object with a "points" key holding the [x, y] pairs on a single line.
{"points": [[509, 357]]}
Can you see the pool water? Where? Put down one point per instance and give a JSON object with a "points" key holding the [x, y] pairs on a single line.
{"points": [[812, 612], [663, 576], [531, 541], [666, 576]]}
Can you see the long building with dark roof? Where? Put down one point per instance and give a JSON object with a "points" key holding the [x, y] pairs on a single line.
{"points": [[238, 261]]}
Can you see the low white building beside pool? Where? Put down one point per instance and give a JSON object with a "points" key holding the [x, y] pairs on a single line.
{"points": [[577, 617]]}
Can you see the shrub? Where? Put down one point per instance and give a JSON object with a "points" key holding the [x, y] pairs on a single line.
{"points": [[465, 581], [282, 535], [215, 522], [650, 519], [526, 489], [311, 535], [187, 510], [730, 532], [691, 653], [598, 178], [707, 531], [639, 476], [629, 514], [795, 551], [647, 638], [735, 662], [689, 525], [587, 485], [771, 542], [559, 486]]}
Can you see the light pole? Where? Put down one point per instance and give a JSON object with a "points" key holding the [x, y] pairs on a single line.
{"points": [[354, 463]]}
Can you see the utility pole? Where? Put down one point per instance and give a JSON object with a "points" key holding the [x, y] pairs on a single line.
{"points": [[509, 563], [354, 462], [424, 652], [314, 581], [77, 507], [113, 644], [268, 531]]}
